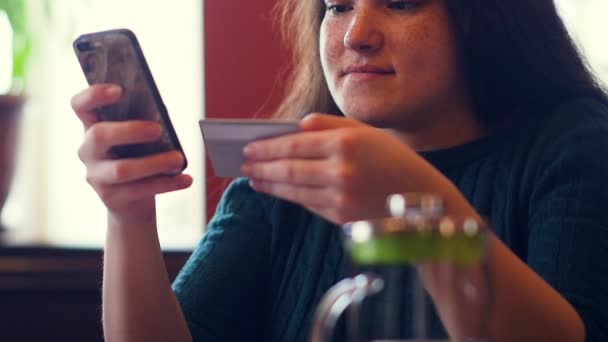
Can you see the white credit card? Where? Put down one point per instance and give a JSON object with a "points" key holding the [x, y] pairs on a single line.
{"points": [[225, 139]]}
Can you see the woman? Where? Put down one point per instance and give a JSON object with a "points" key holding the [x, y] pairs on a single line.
{"points": [[486, 103]]}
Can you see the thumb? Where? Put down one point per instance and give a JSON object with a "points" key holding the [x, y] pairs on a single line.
{"points": [[318, 122]]}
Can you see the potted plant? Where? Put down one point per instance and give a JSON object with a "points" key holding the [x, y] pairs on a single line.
{"points": [[14, 18], [10, 110], [21, 15]]}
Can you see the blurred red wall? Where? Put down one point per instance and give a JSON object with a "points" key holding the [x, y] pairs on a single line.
{"points": [[243, 59]]}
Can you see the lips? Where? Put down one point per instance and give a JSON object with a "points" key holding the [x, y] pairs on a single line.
{"points": [[367, 69]]}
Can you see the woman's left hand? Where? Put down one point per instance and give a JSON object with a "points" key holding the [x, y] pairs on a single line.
{"points": [[338, 168]]}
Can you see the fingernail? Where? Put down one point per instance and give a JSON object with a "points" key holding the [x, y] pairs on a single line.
{"points": [[184, 181], [177, 162], [249, 151], [113, 91], [246, 169], [308, 120], [153, 131]]}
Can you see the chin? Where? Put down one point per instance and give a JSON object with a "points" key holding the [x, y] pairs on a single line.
{"points": [[376, 117], [386, 115]]}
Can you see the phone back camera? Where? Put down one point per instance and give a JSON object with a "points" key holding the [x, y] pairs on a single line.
{"points": [[84, 46], [90, 63]]}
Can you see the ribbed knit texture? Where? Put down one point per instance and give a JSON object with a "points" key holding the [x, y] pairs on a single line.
{"points": [[261, 269]]}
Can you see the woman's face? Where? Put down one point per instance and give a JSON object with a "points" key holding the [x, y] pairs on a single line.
{"points": [[392, 64]]}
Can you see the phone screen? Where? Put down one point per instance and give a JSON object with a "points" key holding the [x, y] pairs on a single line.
{"points": [[115, 57]]}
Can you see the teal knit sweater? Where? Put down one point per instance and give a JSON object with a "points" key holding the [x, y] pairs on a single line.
{"points": [[262, 267]]}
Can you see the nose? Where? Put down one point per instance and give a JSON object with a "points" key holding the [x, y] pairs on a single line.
{"points": [[363, 34]]}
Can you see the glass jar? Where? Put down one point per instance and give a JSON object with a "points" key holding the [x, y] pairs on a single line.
{"points": [[423, 277]]}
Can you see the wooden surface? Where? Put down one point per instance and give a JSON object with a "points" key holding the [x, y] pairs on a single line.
{"points": [[52, 293]]}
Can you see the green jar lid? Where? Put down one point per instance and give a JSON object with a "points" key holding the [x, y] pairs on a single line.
{"points": [[399, 241]]}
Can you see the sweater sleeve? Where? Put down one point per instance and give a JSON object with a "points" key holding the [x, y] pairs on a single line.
{"points": [[568, 218], [222, 287]]}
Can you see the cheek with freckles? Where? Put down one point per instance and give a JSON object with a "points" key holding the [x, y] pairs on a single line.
{"points": [[428, 58], [330, 48]]}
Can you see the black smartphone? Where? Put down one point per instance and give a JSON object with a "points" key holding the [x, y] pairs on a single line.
{"points": [[116, 57]]}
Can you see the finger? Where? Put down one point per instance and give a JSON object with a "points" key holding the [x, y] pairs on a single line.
{"points": [[128, 170], [323, 201], [116, 194], [319, 172], [102, 136], [317, 121], [298, 145], [327, 214], [87, 101]]}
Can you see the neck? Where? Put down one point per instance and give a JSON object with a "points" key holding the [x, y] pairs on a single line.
{"points": [[449, 129]]}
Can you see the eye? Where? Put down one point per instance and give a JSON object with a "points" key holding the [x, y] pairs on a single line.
{"points": [[403, 5], [337, 9]]}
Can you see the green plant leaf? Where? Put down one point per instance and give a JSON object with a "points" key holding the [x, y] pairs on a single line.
{"points": [[26, 42]]}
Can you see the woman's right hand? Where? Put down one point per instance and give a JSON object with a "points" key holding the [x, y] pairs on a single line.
{"points": [[126, 186]]}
